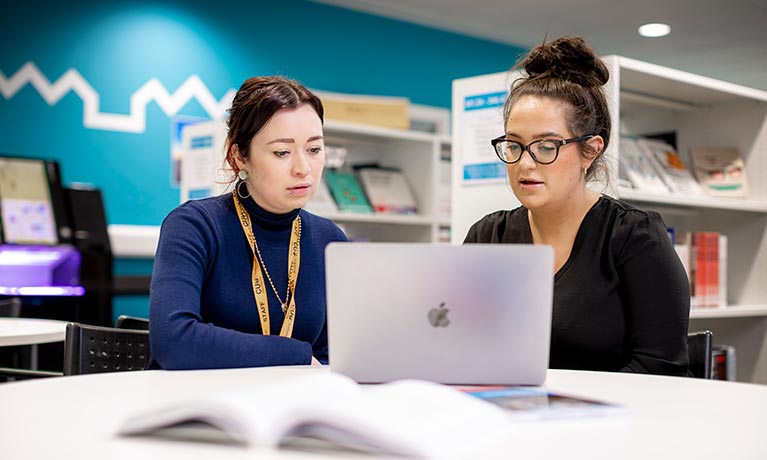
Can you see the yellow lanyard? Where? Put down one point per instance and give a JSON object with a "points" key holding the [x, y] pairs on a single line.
{"points": [[259, 289]]}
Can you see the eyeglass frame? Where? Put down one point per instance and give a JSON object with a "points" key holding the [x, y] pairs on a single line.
{"points": [[526, 148]]}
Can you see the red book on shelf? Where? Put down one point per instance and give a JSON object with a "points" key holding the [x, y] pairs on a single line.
{"points": [[713, 278], [700, 291]]}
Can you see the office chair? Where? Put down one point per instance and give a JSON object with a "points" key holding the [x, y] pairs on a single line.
{"points": [[700, 354], [10, 307], [132, 322], [92, 349]]}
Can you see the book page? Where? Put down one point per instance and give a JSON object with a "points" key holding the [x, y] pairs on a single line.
{"points": [[409, 418], [246, 417]]}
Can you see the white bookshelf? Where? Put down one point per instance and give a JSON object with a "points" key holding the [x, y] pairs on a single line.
{"points": [[417, 154], [647, 99], [734, 311]]}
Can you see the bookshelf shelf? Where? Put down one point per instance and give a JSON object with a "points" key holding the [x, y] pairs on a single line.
{"points": [[694, 202], [371, 133], [697, 111], [733, 311], [394, 219]]}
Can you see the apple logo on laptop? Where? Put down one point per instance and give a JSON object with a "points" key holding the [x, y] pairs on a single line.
{"points": [[438, 316]]}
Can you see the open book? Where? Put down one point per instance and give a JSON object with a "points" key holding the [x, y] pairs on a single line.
{"points": [[409, 418]]}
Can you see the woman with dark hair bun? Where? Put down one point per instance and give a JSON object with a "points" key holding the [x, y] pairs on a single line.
{"points": [[621, 296], [239, 279]]}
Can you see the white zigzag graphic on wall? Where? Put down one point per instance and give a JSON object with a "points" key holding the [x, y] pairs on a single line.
{"points": [[135, 122]]}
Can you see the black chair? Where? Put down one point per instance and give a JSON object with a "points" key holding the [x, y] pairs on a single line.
{"points": [[132, 322], [699, 351], [10, 307], [92, 349]]}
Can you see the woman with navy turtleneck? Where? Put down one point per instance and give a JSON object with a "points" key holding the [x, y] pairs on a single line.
{"points": [[239, 279]]}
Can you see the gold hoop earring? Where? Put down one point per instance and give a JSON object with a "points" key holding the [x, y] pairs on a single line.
{"points": [[239, 192]]}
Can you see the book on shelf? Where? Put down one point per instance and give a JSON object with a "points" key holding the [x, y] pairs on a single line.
{"points": [[409, 418], [538, 403], [704, 257], [388, 112], [322, 201], [347, 192], [638, 169], [723, 362], [670, 168], [720, 171], [387, 190]]}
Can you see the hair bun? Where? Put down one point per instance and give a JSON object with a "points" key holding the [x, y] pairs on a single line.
{"points": [[567, 58]]}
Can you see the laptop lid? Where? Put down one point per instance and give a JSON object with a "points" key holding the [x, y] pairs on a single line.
{"points": [[472, 314]]}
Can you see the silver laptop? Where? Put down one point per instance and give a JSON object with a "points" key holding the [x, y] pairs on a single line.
{"points": [[472, 314]]}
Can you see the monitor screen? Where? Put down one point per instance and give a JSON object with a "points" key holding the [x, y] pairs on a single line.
{"points": [[28, 202]]}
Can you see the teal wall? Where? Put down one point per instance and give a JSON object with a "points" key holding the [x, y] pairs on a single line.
{"points": [[118, 46]]}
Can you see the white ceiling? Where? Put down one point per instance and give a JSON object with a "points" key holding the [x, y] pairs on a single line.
{"points": [[723, 39]]}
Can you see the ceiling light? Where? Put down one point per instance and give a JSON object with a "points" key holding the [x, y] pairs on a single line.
{"points": [[654, 29]]}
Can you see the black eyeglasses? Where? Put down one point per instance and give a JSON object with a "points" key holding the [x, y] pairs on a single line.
{"points": [[542, 151]]}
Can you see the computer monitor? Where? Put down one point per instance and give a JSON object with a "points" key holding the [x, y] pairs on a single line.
{"points": [[32, 202]]}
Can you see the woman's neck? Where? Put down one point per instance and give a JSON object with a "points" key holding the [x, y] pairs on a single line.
{"points": [[267, 219], [556, 223]]}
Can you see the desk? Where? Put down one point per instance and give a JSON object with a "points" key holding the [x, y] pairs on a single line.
{"points": [[669, 418], [29, 331]]}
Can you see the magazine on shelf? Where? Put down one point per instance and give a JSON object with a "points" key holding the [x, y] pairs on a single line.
{"points": [[410, 418], [638, 168], [347, 192], [670, 167], [720, 171], [387, 190], [538, 403]]}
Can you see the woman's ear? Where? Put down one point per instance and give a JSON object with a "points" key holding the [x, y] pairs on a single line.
{"points": [[597, 144], [239, 158]]}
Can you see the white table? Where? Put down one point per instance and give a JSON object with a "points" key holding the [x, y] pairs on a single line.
{"points": [[668, 418], [31, 331]]}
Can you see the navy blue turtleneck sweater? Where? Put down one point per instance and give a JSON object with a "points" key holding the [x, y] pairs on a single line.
{"points": [[202, 310]]}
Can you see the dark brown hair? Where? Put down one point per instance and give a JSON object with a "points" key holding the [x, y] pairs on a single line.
{"points": [[569, 71], [257, 100]]}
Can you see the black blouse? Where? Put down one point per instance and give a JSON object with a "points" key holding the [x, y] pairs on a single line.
{"points": [[621, 300]]}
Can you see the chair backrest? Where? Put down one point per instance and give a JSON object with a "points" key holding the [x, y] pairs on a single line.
{"points": [[699, 351], [132, 322], [90, 349], [10, 307]]}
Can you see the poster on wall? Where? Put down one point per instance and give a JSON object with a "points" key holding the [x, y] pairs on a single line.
{"points": [[177, 125], [203, 169], [482, 120]]}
